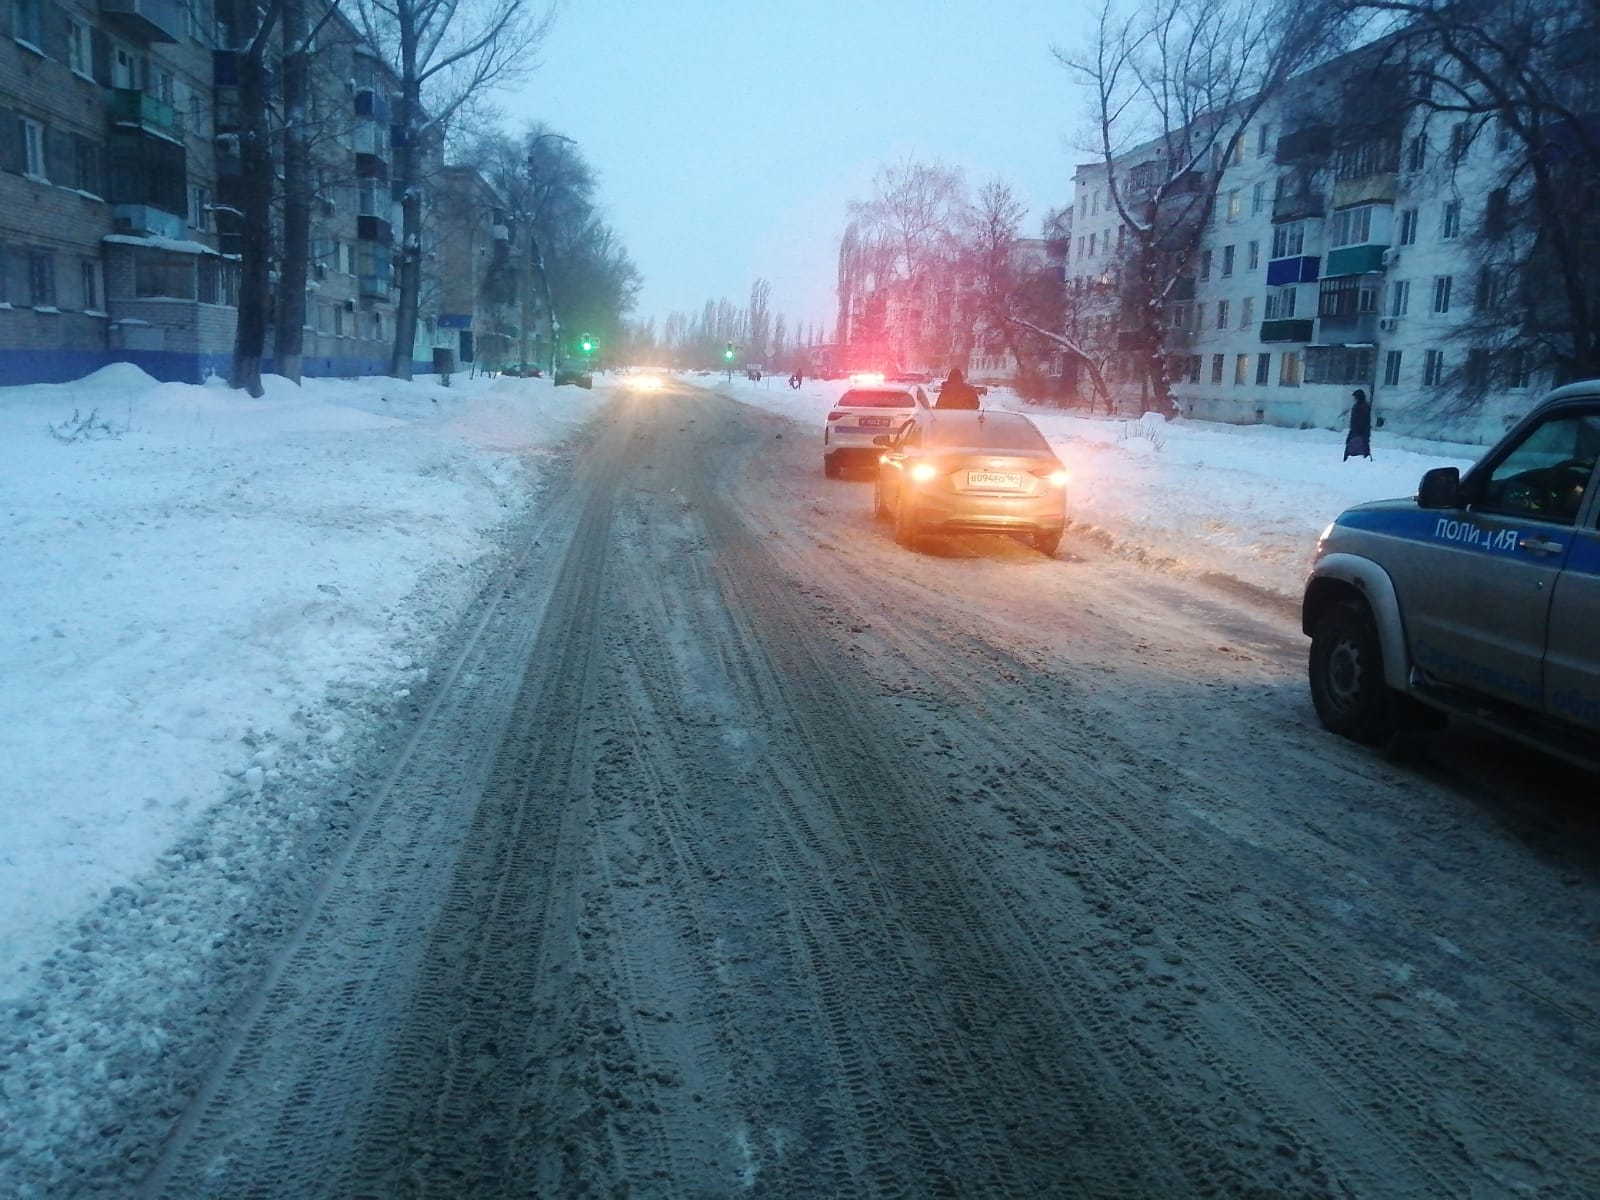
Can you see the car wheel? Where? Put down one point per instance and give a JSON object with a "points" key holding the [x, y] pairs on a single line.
{"points": [[830, 466], [1346, 674], [906, 529], [1046, 543], [879, 508]]}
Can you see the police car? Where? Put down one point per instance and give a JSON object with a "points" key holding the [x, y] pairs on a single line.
{"points": [[1479, 597]]}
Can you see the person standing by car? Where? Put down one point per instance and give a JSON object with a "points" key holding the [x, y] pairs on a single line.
{"points": [[1358, 443], [956, 392]]}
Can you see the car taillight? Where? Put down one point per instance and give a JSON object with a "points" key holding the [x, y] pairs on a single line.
{"points": [[835, 415], [923, 471], [1055, 477]]}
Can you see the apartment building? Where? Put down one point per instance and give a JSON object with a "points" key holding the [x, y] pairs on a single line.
{"points": [[1345, 248], [119, 180]]}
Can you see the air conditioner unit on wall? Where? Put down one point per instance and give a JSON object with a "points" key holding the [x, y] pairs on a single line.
{"points": [[1388, 324]]}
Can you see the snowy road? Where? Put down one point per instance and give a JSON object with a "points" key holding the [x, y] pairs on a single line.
{"points": [[738, 850]]}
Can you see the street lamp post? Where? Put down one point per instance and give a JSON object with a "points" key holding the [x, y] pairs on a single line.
{"points": [[535, 258]]}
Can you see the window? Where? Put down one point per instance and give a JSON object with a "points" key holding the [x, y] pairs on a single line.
{"points": [[1235, 206], [1417, 152], [1351, 227], [1216, 368], [1502, 135], [1194, 368], [89, 283], [1491, 288], [1517, 373], [1253, 256], [1261, 141], [1200, 315], [41, 278], [1289, 370], [1432, 368], [1263, 369], [32, 148], [1227, 262], [1346, 296], [26, 22], [1205, 264], [1496, 212], [1241, 370], [86, 166], [1247, 312], [1288, 241], [1477, 373], [199, 206], [1460, 139], [1093, 238], [1340, 364], [1280, 304], [163, 273], [1441, 293], [1408, 227], [1399, 297], [1222, 314], [219, 281], [1258, 200], [1524, 483], [78, 55], [1450, 222], [1391, 368]]}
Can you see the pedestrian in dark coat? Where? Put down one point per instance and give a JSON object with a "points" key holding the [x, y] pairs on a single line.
{"points": [[1358, 443], [956, 392]]}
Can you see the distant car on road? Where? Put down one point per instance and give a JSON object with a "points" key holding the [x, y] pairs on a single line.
{"points": [[955, 470], [1479, 597], [862, 414]]}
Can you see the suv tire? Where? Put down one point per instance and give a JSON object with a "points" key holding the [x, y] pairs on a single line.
{"points": [[1346, 670], [830, 465]]}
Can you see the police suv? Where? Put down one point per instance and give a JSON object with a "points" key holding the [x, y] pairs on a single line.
{"points": [[1478, 598]]}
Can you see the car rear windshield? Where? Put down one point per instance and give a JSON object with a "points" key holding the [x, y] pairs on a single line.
{"points": [[872, 398], [988, 435]]}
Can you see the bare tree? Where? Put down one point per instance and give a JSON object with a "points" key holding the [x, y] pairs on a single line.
{"points": [[1173, 83], [760, 319], [447, 53], [1510, 93]]}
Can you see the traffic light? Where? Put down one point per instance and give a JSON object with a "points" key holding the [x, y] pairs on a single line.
{"points": [[728, 353], [587, 344]]}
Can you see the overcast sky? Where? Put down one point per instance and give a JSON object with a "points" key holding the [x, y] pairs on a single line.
{"points": [[731, 135]]}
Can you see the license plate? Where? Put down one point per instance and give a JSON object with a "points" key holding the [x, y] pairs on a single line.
{"points": [[994, 479], [874, 422]]}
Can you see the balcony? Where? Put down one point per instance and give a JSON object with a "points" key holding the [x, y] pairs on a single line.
{"points": [[1297, 206], [372, 104], [137, 109], [1377, 188], [1310, 142], [1283, 271], [146, 220], [145, 20], [1291, 329], [1182, 289], [1354, 260], [1346, 328], [370, 228]]}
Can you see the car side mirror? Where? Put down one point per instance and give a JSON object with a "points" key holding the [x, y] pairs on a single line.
{"points": [[1440, 488], [883, 439]]}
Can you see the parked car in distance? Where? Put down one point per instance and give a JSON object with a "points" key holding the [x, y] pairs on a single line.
{"points": [[862, 414], [1479, 597], [964, 470]]}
